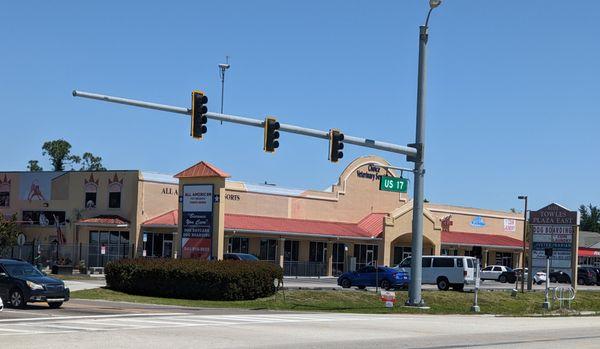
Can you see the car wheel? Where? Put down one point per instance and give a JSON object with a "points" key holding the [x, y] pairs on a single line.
{"points": [[346, 283], [552, 279], [442, 284], [539, 282], [386, 285], [580, 282], [55, 305], [502, 279], [16, 299]]}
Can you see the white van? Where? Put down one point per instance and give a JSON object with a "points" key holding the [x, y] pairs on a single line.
{"points": [[445, 271]]}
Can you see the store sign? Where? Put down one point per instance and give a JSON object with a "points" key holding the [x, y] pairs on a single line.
{"points": [[197, 224], [510, 225], [478, 222], [553, 227], [399, 185], [372, 173]]}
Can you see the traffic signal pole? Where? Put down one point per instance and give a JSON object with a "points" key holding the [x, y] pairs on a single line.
{"points": [[358, 141]]}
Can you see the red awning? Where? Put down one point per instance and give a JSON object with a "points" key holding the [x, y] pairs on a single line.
{"points": [[167, 220], [366, 228], [483, 240], [588, 252], [369, 227]]}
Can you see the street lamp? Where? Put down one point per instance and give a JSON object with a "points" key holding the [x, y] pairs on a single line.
{"points": [[414, 291], [524, 197]]}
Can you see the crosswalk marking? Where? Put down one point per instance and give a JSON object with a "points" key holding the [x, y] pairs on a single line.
{"points": [[66, 324]]}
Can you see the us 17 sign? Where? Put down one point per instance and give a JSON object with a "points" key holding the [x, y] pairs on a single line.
{"points": [[399, 185]]}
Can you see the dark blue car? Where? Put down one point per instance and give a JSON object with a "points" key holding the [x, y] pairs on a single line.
{"points": [[369, 276]]}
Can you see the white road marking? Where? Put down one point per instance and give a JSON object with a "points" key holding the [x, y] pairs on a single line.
{"points": [[158, 320]]}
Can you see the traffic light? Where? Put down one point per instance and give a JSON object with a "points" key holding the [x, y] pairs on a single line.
{"points": [[271, 135], [336, 145], [199, 111]]}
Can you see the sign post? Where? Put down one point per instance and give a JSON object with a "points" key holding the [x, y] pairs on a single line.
{"points": [[548, 253]]}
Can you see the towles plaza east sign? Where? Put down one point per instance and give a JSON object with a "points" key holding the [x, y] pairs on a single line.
{"points": [[554, 227]]}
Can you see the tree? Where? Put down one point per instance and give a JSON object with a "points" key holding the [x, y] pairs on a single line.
{"points": [[33, 166], [8, 232], [59, 152], [590, 218], [91, 163]]}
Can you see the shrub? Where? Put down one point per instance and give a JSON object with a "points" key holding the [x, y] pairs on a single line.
{"points": [[194, 279]]}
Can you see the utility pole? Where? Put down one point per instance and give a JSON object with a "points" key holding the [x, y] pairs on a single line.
{"points": [[414, 291]]}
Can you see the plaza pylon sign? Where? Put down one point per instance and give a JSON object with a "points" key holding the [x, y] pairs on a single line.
{"points": [[554, 227], [197, 221]]}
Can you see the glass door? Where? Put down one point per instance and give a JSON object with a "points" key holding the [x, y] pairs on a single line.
{"points": [[167, 249]]}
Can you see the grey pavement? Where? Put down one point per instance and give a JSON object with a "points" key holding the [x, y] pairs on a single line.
{"points": [[102, 324]]}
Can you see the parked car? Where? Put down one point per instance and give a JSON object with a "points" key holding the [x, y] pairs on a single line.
{"points": [[559, 276], [597, 270], [493, 272], [586, 276], [509, 276], [370, 276], [239, 257], [519, 272], [539, 277], [444, 271], [21, 283]]}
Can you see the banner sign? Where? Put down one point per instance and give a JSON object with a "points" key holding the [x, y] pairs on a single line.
{"points": [[197, 221], [553, 227]]}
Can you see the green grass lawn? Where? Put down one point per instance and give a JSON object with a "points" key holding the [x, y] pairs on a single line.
{"points": [[491, 302]]}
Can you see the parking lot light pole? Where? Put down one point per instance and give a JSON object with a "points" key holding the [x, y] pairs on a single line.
{"points": [[414, 292], [523, 263]]}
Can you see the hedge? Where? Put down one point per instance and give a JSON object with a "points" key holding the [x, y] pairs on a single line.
{"points": [[194, 279]]}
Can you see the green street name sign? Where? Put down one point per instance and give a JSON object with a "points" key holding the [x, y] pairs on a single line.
{"points": [[399, 185]]}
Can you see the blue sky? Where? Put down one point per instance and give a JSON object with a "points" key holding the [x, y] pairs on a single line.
{"points": [[512, 90]]}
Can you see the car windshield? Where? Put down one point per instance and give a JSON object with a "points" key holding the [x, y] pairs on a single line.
{"points": [[22, 270], [509, 269], [247, 257]]}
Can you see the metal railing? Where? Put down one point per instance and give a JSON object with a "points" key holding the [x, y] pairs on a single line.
{"points": [[88, 255], [296, 268]]}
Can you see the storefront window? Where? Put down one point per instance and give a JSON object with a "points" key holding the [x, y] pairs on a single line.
{"points": [[268, 249], [504, 258], [400, 253], [114, 243], [365, 255], [317, 252], [339, 256], [291, 250], [158, 245], [238, 245]]}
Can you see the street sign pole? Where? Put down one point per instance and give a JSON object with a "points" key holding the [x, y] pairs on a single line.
{"points": [[414, 291]]}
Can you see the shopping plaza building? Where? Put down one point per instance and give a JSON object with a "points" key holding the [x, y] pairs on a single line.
{"points": [[200, 213]]}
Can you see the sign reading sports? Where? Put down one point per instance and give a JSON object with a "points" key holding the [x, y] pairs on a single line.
{"points": [[399, 185]]}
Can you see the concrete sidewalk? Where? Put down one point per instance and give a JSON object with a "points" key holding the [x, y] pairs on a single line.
{"points": [[78, 285]]}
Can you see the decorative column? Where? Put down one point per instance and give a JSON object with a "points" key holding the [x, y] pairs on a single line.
{"points": [[281, 248], [329, 258]]}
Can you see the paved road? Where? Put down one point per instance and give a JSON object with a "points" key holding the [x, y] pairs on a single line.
{"points": [[102, 324]]}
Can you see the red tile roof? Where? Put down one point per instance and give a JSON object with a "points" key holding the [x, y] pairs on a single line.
{"points": [[167, 219], [104, 219], [475, 239], [298, 226], [370, 226], [202, 169]]}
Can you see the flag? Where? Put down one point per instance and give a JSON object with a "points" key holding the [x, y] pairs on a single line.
{"points": [[61, 237]]}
